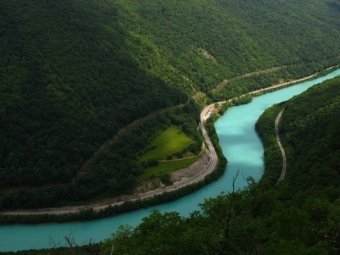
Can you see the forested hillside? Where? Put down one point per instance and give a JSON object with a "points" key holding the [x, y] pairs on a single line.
{"points": [[299, 215], [313, 141], [75, 72]]}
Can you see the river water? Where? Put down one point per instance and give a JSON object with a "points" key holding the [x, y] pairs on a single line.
{"points": [[240, 145]]}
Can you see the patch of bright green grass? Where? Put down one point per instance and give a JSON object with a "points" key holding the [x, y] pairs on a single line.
{"points": [[166, 168], [168, 142]]}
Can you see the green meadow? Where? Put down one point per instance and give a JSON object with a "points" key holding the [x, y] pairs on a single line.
{"points": [[168, 142]]}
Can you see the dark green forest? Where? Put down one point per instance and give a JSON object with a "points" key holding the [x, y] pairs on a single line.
{"points": [[73, 73]]}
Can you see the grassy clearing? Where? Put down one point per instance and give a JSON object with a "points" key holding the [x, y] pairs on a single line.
{"points": [[168, 142], [166, 168]]}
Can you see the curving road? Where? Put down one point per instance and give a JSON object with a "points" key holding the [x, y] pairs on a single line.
{"points": [[284, 158]]}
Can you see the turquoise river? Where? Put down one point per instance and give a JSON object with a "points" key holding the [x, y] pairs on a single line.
{"points": [[240, 145]]}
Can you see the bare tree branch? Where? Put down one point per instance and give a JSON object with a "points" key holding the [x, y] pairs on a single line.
{"points": [[231, 206]]}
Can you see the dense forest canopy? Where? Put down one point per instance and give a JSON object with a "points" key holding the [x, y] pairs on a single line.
{"points": [[73, 73]]}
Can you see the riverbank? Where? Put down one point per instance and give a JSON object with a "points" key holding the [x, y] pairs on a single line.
{"points": [[197, 172]]}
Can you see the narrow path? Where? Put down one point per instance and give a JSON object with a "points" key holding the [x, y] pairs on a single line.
{"points": [[284, 158], [221, 85], [86, 167], [284, 84]]}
